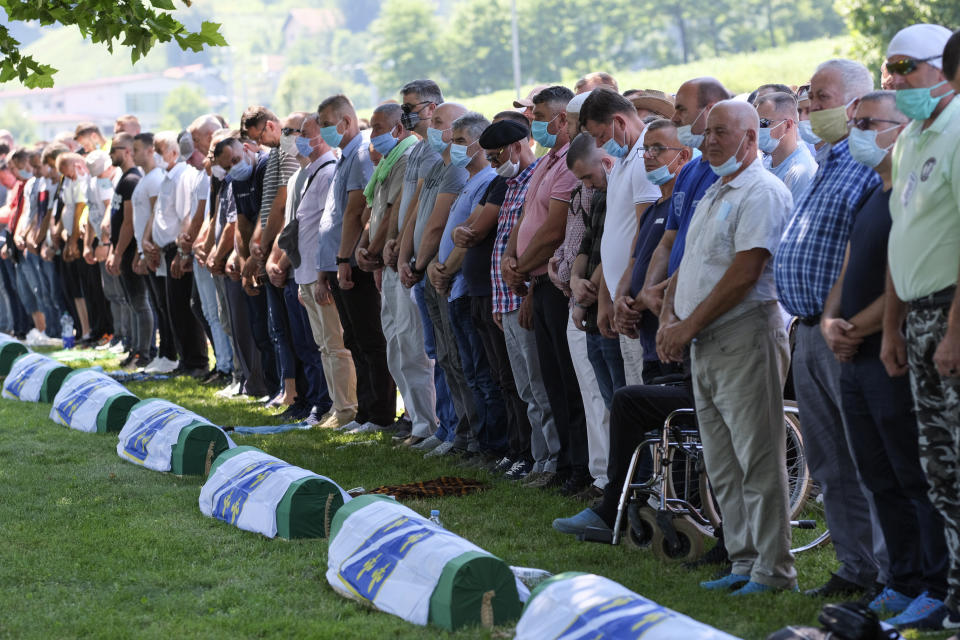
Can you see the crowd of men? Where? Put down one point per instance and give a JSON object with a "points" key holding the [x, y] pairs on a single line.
{"points": [[544, 288]]}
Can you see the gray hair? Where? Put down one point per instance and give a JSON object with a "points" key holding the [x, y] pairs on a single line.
{"points": [[472, 123], [856, 78], [889, 98], [167, 140], [207, 121], [426, 89]]}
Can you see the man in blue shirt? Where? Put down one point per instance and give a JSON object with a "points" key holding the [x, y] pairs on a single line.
{"points": [[786, 157], [354, 291], [807, 263]]}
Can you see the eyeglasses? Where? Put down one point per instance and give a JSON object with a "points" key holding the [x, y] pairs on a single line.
{"points": [[654, 151], [408, 108], [865, 123], [493, 156], [766, 123], [908, 65], [289, 130]]}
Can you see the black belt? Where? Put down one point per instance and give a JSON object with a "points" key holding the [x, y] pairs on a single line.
{"points": [[541, 279], [810, 321], [942, 298]]}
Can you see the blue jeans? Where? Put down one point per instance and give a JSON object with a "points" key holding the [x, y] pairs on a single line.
{"points": [[301, 335], [604, 355], [492, 435], [446, 414], [18, 318], [208, 300], [36, 279], [279, 332]]}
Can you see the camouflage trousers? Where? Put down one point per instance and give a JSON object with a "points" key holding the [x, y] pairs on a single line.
{"points": [[937, 402]]}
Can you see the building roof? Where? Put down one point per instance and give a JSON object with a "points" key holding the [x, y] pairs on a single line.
{"points": [[314, 20]]}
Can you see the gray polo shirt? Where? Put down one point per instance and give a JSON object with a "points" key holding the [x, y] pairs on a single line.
{"points": [[421, 159], [352, 174], [442, 178], [746, 213]]}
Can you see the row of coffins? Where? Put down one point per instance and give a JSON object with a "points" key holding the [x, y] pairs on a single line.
{"points": [[381, 554]]}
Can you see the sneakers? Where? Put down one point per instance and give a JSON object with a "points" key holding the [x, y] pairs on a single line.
{"points": [[161, 365], [296, 411], [128, 361], [923, 613], [428, 444], [519, 470], [725, 583], [577, 525], [891, 601], [756, 587], [576, 483], [591, 493], [502, 465], [411, 441], [229, 391], [544, 480], [366, 427], [349, 427], [442, 449], [835, 586]]}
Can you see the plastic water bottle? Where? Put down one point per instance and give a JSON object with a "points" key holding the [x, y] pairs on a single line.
{"points": [[66, 322], [435, 517]]}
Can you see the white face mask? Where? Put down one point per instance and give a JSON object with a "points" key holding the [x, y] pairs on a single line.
{"points": [[288, 144], [218, 172], [509, 169]]}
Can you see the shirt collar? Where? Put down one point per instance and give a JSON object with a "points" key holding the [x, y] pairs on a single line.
{"points": [[328, 156], [746, 176], [174, 173], [943, 120], [351, 147], [524, 175]]}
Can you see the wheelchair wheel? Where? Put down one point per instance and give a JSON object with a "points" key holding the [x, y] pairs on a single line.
{"points": [[807, 539], [689, 543], [799, 482], [641, 526]]}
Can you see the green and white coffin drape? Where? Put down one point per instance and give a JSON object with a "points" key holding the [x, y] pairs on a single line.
{"points": [[388, 556], [10, 350], [93, 402], [257, 492], [162, 436], [34, 378], [582, 606]]}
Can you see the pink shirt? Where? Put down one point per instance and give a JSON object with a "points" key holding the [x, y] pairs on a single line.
{"points": [[551, 180]]}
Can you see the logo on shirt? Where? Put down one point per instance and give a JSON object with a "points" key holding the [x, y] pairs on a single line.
{"points": [[927, 169]]}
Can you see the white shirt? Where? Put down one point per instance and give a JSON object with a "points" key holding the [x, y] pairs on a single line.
{"points": [[175, 203], [148, 187], [309, 211], [627, 186], [749, 212], [71, 193]]}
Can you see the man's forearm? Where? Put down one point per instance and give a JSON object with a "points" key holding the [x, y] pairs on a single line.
{"points": [[352, 224], [623, 287], [739, 278], [226, 243], [541, 248], [659, 262], [241, 240]]}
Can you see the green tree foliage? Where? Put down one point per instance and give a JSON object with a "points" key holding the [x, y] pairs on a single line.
{"points": [[182, 106], [476, 52], [15, 120], [405, 44], [303, 87], [130, 23], [874, 22]]}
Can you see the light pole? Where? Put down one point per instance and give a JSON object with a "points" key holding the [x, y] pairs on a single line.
{"points": [[515, 38]]}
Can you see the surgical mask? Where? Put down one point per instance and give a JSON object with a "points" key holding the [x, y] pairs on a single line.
{"points": [[508, 169], [288, 144], [830, 124], [918, 104], [104, 184], [458, 155], [864, 148], [158, 160], [331, 136], [242, 171], [435, 139], [731, 164], [384, 143], [539, 130], [662, 175], [766, 142], [186, 145], [806, 132], [24, 174], [686, 136], [218, 172], [613, 147], [304, 147]]}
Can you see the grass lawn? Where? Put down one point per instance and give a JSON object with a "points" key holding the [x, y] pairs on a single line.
{"points": [[97, 547]]}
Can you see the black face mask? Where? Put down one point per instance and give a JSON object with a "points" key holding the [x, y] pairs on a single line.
{"points": [[410, 120]]}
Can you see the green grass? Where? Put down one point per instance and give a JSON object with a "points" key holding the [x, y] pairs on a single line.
{"points": [[96, 547]]}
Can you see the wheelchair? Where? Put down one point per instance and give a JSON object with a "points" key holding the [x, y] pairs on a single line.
{"points": [[674, 512]]}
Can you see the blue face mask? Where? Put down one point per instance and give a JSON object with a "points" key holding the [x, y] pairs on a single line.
{"points": [[613, 147], [539, 131], [686, 136], [304, 147], [384, 144], [331, 136], [661, 175], [241, 171], [435, 139], [766, 142], [864, 148], [731, 164], [104, 183], [806, 132], [918, 104], [24, 174], [458, 155]]}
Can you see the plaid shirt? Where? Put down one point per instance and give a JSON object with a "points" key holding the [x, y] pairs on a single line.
{"points": [[505, 300], [578, 214], [811, 251], [590, 246]]}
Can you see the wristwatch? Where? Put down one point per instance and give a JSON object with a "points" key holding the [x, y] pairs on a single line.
{"points": [[341, 261]]}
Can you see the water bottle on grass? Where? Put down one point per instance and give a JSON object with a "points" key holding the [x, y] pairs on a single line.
{"points": [[66, 332], [435, 517]]}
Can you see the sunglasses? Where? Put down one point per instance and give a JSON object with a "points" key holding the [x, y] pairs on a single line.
{"points": [[766, 123], [408, 108], [493, 156], [289, 131], [907, 66], [865, 123]]}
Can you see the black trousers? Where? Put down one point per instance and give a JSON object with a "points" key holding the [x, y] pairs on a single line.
{"points": [[188, 335], [883, 434], [98, 308], [495, 348], [252, 370], [158, 298], [359, 311], [550, 314], [135, 290]]}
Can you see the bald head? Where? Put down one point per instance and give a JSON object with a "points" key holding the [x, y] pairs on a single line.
{"points": [[295, 119], [443, 117], [732, 127]]}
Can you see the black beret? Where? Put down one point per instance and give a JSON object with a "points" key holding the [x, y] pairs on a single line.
{"points": [[502, 133]]}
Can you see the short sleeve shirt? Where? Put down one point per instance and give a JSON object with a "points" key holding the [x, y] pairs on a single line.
{"points": [[121, 195], [72, 193], [443, 178], [796, 170], [692, 182], [99, 191], [309, 212], [280, 166], [388, 192], [148, 187], [421, 159], [551, 180], [652, 225], [352, 174], [476, 262], [746, 213], [462, 207], [248, 194]]}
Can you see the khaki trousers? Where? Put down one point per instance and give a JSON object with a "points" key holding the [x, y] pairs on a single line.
{"points": [[337, 360]]}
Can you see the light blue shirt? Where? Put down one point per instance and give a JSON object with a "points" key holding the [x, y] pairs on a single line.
{"points": [[796, 171], [352, 174], [462, 207]]}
